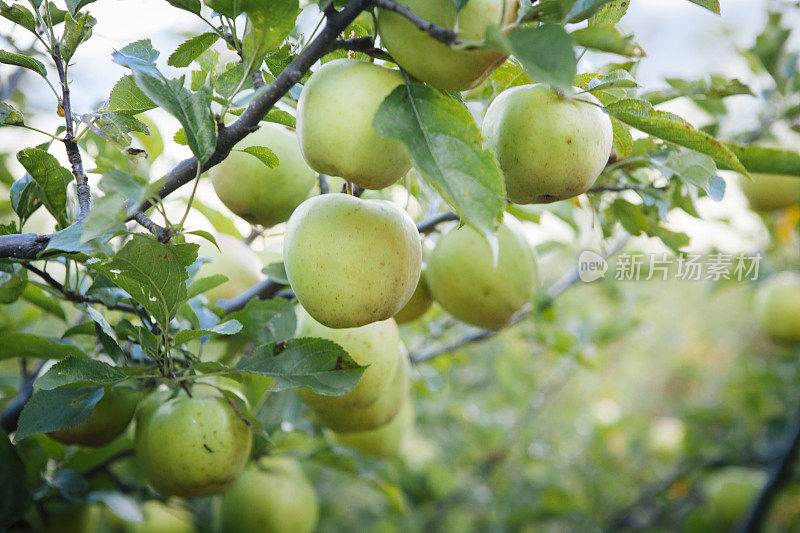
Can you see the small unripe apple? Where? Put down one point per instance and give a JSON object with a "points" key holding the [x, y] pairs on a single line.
{"points": [[377, 345], [193, 446], [334, 124], [768, 192], [272, 496], [235, 260], [351, 262], [418, 305], [778, 304], [386, 440], [260, 194], [731, 491], [162, 518], [549, 147], [462, 277], [109, 418], [436, 63], [354, 419]]}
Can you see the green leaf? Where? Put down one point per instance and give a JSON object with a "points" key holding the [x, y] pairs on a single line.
{"points": [[115, 127], [25, 196], [79, 371], [641, 115], [583, 9], [221, 223], [765, 160], [711, 5], [697, 169], [445, 145], [23, 61], [133, 188], [57, 409], [193, 6], [607, 39], [281, 117], [44, 301], [320, 364], [152, 273], [51, 177], [618, 78], [630, 216], [714, 87], [29, 345], [546, 53], [15, 499], [199, 286], [264, 154], [268, 25], [9, 116], [192, 49], [192, 110], [127, 98], [18, 14], [267, 321], [611, 13], [230, 327], [76, 31], [75, 5], [623, 141]]}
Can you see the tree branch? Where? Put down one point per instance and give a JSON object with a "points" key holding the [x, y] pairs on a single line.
{"points": [[264, 290], [429, 226], [780, 474], [73, 153], [10, 415], [160, 233], [74, 296], [364, 45], [568, 280]]}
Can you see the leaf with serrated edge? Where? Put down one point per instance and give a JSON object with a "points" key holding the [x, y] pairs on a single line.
{"points": [[79, 371], [320, 364], [57, 409], [446, 147], [192, 49], [229, 327]]}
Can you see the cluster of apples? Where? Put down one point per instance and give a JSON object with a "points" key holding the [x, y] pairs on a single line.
{"points": [[197, 446]]}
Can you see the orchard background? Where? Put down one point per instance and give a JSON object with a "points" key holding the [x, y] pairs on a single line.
{"points": [[613, 405]]}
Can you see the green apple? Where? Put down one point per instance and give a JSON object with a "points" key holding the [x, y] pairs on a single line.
{"points": [[778, 304], [162, 518], [549, 147], [731, 491], [235, 260], [109, 418], [351, 262], [462, 276], [377, 345], [334, 124], [435, 63], [272, 496], [418, 305], [768, 192], [193, 446], [349, 420], [386, 440], [260, 194]]}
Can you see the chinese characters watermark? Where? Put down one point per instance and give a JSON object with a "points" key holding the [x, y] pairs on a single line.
{"points": [[687, 267]]}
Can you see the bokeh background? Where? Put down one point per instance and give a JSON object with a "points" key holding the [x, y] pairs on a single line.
{"points": [[609, 409]]}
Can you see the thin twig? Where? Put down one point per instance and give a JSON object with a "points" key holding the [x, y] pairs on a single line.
{"points": [[72, 296], [161, 233], [778, 477], [73, 153], [264, 290], [10, 414], [429, 226]]}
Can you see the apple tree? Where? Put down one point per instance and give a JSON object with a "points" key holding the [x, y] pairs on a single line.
{"points": [[398, 152]]}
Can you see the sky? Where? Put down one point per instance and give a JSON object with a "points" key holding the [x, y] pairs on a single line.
{"points": [[681, 40]]}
